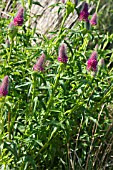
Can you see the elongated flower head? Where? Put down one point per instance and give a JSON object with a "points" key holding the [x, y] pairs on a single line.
{"points": [[62, 57], [4, 86], [19, 18], [39, 64], [93, 21], [92, 62], [84, 13]]}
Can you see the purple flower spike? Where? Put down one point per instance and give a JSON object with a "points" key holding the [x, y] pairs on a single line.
{"points": [[19, 18], [92, 62], [39, 64], [84, 13], [93, 21], [62, 54], [4, 86]]}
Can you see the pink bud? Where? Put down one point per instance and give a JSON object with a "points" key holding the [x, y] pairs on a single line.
{"points": [[84, 13], [62, 54], [92, 62], [39, 64], [93, 21], [4, 87], [19, 18]]}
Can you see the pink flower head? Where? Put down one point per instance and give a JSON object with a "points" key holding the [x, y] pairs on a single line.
{"points": [[92, 62], [93, 21], [62, 57], [4, 87], [84, 13], [19, 18], [39, 64]]}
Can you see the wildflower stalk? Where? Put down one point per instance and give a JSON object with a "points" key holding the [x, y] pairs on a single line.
{"points": [[10, 52], [2, 102], [9, 120], [23, 3], [97, 6], [1, 115], [110, 91], [33, 87], [62, 24], [77, 106], [61, 28], [49, 103]]}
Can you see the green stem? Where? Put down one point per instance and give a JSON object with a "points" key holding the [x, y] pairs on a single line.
{"points": [[33, 90], [97, 6], [1, 117], [61, 28], [23, 3], [54, 87], [10, 52], [9, 120], [62, 24], [106, 95], [74, 108]]}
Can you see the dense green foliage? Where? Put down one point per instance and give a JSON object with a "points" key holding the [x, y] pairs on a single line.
{"points": [[59, 118]]}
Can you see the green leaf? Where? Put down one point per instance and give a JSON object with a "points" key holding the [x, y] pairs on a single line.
{"points": [[22, 85], [53, 132], [29, 160], [94, 120]]}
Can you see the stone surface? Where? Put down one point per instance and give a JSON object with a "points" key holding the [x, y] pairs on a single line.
{"points": [[48, 18], [45, 18]]}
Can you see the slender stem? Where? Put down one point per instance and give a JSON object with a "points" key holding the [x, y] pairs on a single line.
{"points": [[106, 95], [74, 108], [54, 88], [10, 52], [97, 6], [9, 120], [33, 90], [61, 28], [62, 25], [1, 115], [23, 3]]}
